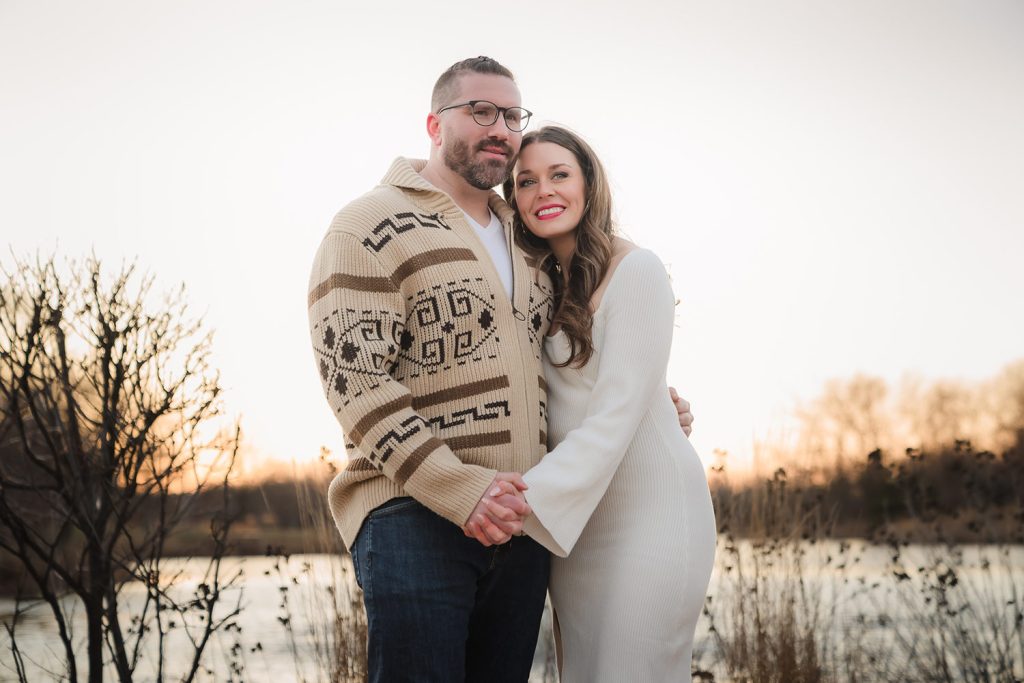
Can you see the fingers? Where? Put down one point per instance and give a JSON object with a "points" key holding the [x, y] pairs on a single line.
{"points": [[502, 487], [513, 478], [508, 493], [682, 410], [472, 529], [491, 530], [516, 504], [499, 511], [485, 532], [507, 521]]}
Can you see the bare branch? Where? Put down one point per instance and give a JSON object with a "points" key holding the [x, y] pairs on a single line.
{"points": [[104, 393]]}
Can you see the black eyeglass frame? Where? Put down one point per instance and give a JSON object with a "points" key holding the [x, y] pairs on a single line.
{"points": [[498, 111]]}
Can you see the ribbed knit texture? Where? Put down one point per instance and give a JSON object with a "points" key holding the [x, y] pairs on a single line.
{"points": [[435, 381], [623, 489]]}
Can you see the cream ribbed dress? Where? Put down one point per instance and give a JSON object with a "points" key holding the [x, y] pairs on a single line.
{"points": [[621, 499]]}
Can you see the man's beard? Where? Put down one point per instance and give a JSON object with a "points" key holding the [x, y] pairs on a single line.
{"points": [[484, 174]]}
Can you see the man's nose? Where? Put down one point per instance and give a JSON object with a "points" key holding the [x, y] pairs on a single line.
{"points": [[498, 129]]}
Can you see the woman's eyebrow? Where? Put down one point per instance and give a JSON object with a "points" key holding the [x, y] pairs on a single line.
{"points": [[526, 170]]}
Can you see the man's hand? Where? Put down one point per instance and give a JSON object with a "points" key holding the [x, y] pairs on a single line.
{"points": [[500, 513], [683, 409]]}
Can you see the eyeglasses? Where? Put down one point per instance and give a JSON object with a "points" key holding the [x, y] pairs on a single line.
{"points": [[486, 113]]}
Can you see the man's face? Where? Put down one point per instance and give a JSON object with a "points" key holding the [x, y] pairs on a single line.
{"points": [[482, 155]]}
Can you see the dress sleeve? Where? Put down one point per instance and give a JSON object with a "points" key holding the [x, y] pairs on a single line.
{"points": [[569, 482], [356, 317]]}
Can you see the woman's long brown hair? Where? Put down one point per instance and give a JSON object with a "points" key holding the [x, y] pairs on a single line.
{"points": [[589, 261]]}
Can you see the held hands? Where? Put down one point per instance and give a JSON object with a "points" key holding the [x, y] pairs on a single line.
{"points": [[499, 514], [683, 409]]}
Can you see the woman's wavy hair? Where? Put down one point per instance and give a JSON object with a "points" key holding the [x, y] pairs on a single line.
{"points": [[594, 234]]}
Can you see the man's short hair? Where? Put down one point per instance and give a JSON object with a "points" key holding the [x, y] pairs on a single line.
{"points": [[446, 87]]}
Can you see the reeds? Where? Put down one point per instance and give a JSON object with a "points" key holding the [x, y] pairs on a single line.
{"points": [[791, 603], [793, 600], [331, 608]]}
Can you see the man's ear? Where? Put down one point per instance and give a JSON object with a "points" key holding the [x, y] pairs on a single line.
{"points": [[434, 128]]}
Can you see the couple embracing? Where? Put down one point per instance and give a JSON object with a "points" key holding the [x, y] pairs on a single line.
{"points": [[498, 368]]}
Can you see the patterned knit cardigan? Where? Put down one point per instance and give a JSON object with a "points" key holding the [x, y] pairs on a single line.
{"points": [[433, 373]]}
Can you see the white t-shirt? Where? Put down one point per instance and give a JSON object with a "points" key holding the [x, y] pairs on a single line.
{"points": [[493, 237]]}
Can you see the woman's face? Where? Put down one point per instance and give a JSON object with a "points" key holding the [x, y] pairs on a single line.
{"points": [[550, 190]]}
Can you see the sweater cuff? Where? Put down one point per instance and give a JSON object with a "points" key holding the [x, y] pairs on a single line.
{"points": [[535, 529], [451, 492]]}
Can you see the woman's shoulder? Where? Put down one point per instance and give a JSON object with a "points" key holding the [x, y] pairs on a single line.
{"points": [[635, 260], [630, 264], [621, 247]]}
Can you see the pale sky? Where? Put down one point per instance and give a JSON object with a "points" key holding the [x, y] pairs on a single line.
{"points": [[837, 187]]}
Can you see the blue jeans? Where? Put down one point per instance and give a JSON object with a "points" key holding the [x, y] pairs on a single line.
{"points": [[440, 606]]}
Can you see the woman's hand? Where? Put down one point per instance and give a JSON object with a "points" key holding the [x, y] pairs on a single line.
{"points": [[499, 514], [683, 411]]}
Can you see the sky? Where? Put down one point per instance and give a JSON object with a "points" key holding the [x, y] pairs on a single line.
{"points": [[835, 187]]}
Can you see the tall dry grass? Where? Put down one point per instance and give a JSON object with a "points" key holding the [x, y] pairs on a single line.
{"points": [[330, 609], [794, 604], [795, 599]]}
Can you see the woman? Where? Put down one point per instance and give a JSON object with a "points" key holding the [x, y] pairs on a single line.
{"points": [[621, 498]]}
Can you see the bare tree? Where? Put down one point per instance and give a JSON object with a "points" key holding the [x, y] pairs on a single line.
{"points": [[847, 421], [1005, 396], [939, 413], [107, 412]]}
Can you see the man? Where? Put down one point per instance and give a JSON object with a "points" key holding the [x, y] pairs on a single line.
{"points": [[427, 326]]}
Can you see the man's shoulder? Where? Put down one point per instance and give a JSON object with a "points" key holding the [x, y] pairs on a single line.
{"points": [[386, 208], [364, 213]]}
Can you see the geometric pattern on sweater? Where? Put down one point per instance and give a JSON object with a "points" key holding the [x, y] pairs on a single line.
{"points": [[401, 223], [351, 349], [378, 453], [491, 410], [394, 438], [541, 311], [445, 351], [448, 325]]}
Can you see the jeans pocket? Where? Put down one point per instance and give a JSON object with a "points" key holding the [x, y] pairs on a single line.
{"points": [[354, 554], [393, 506]]}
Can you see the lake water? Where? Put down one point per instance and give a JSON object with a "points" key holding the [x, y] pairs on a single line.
{"points": [[850, 580]]}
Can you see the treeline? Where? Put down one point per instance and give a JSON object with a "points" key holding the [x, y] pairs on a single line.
{"points": [[284, 516], [954, 494], [271, 517], [926, 462]]}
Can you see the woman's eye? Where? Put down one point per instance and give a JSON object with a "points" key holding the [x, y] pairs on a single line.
{"points": [[525, 183], [560, 175]]}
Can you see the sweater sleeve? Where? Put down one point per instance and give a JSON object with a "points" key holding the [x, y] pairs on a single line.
{"points": [[357, 319], [569, 482]]}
